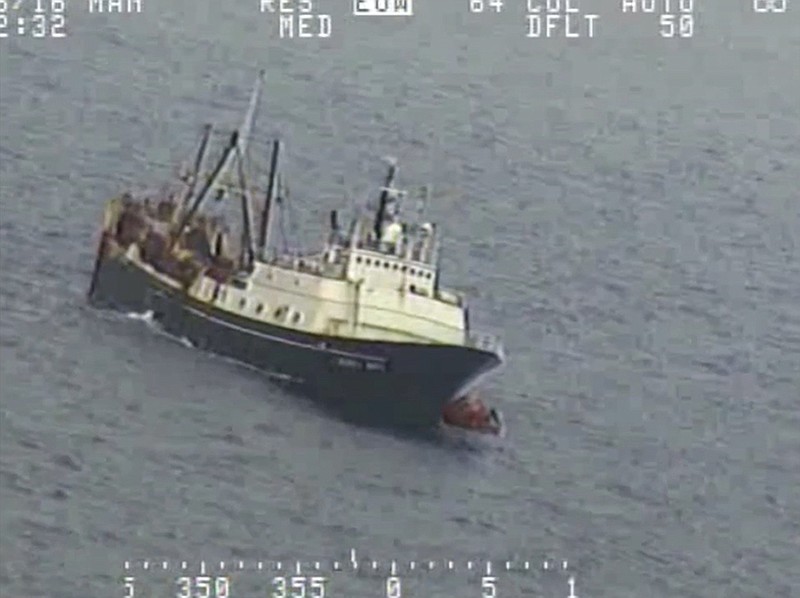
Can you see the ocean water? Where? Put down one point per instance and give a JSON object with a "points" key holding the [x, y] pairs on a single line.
{"points": [[623, 209]]}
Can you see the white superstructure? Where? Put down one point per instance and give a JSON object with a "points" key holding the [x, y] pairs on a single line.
{"points": [[359, 286]]}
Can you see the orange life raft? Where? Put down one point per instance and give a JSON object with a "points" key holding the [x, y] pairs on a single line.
{"points": [[470, 413]]}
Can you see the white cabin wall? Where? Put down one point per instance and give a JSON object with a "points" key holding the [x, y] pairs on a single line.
{"points": [[318, 299], [382, 313], [372, 269], [422, 317]]}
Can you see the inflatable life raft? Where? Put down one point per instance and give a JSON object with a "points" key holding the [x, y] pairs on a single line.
{"points": [[470, 413]]}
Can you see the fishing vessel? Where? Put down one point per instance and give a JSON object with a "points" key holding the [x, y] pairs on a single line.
{"points": [[363, 323]]}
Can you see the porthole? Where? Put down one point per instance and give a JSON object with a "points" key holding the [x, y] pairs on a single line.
{"points": [[368, 262], [412, 272], [395, 267], [242, 303], [403, 268], [386, 265], [358, 260], [280, 312], [297, 317], [259, 308]]}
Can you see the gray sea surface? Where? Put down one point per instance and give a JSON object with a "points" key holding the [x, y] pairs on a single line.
{"points": [[623, 209]]}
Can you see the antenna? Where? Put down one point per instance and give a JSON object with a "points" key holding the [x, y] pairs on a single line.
{"points": [[425, 194]]}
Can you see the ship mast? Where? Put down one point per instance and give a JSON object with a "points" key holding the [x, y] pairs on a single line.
{"points": [[247, 255], [208, 184], [266, 214], [198, 163], [381, 213], [246, 131]]}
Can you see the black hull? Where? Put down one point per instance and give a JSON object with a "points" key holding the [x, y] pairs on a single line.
{"points": [[383, 383]]}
